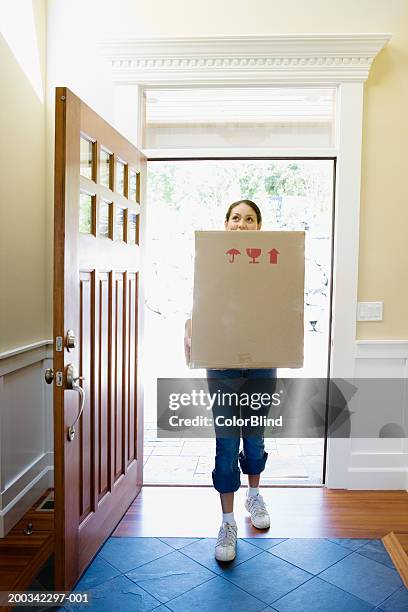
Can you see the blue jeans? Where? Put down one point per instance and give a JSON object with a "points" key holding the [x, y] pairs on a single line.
{"points": [[252, 459]]}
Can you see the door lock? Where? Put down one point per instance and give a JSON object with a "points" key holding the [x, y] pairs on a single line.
{"points": [[49, 376], [70, 340]]}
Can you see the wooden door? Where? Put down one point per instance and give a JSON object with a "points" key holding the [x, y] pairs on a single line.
{"points": [[98, 183]]}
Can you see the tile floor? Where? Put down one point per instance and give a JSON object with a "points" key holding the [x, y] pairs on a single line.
{"points": [[281, 575], [190, 461]]}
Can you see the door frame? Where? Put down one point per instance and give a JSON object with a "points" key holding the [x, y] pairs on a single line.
{"points": [[318, 60]]}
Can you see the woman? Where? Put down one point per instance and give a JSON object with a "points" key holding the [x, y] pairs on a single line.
{"points": [[241, 215]]}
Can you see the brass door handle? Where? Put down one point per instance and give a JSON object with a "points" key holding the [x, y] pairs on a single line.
{"points": [[72, 383]]}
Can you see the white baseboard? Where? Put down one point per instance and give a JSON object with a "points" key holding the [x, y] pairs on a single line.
{"points": [[13, 489], [24, 500], [390, 479]]}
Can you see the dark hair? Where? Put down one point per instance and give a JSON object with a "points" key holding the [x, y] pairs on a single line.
{"points": [[254, 207]]}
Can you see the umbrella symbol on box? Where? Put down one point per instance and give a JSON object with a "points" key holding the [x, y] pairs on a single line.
{"points": [[253, 254], [232, 253]]}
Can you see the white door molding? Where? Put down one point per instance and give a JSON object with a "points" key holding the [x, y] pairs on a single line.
{"points": [[323, 60], [243, 60]]}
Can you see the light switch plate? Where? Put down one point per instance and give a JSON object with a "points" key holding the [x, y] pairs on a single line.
{"points": [[369, 311]]}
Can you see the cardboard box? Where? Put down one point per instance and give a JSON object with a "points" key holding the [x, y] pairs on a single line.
{"points": [[248, 300]]}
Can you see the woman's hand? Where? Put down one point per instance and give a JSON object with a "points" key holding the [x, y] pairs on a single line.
{"points": [[187, 341]]}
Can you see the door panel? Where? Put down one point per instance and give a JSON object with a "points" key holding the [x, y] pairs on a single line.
{"points": [[86, 367], [103, 411], [99, 177]]}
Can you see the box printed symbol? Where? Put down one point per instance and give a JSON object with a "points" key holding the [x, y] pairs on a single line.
{"points": [[232, 253], [254, 254], [273, 256]]}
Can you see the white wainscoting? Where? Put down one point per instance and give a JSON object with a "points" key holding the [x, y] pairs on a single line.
{"points": [[26, 430], [381, 463]]}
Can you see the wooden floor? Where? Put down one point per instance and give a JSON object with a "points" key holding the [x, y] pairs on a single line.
{"points": [[295, 512], [195, 512], [22, 556]]}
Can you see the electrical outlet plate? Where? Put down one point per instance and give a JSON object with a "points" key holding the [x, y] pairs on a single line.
{"points": [[369, 311]]}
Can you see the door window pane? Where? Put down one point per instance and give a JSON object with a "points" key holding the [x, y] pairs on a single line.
{"points": [[133, 227], [86, 157], [105, 168], [133, 186], [105, 219], [120, 224], [284, 117], [120, 177], [85, 213]]}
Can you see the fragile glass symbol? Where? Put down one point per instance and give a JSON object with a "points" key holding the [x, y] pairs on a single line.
{"points": [[253, 254]]}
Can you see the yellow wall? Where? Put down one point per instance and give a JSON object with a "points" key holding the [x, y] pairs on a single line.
{"points": [[22, 200], [383, 260], [383, 264], [76, 26]]}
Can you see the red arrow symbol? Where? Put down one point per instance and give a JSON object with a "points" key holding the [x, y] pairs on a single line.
{"points": [[232, 253], [273, 256]]}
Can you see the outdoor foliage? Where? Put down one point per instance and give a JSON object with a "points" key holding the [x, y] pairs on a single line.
{"points": [[188, 196]]}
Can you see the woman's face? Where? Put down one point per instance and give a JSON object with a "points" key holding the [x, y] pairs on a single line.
{"points": [[242, 217]]}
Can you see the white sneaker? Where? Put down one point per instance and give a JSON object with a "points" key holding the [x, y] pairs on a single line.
{"points": [[257, 509], [226, 546]]}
